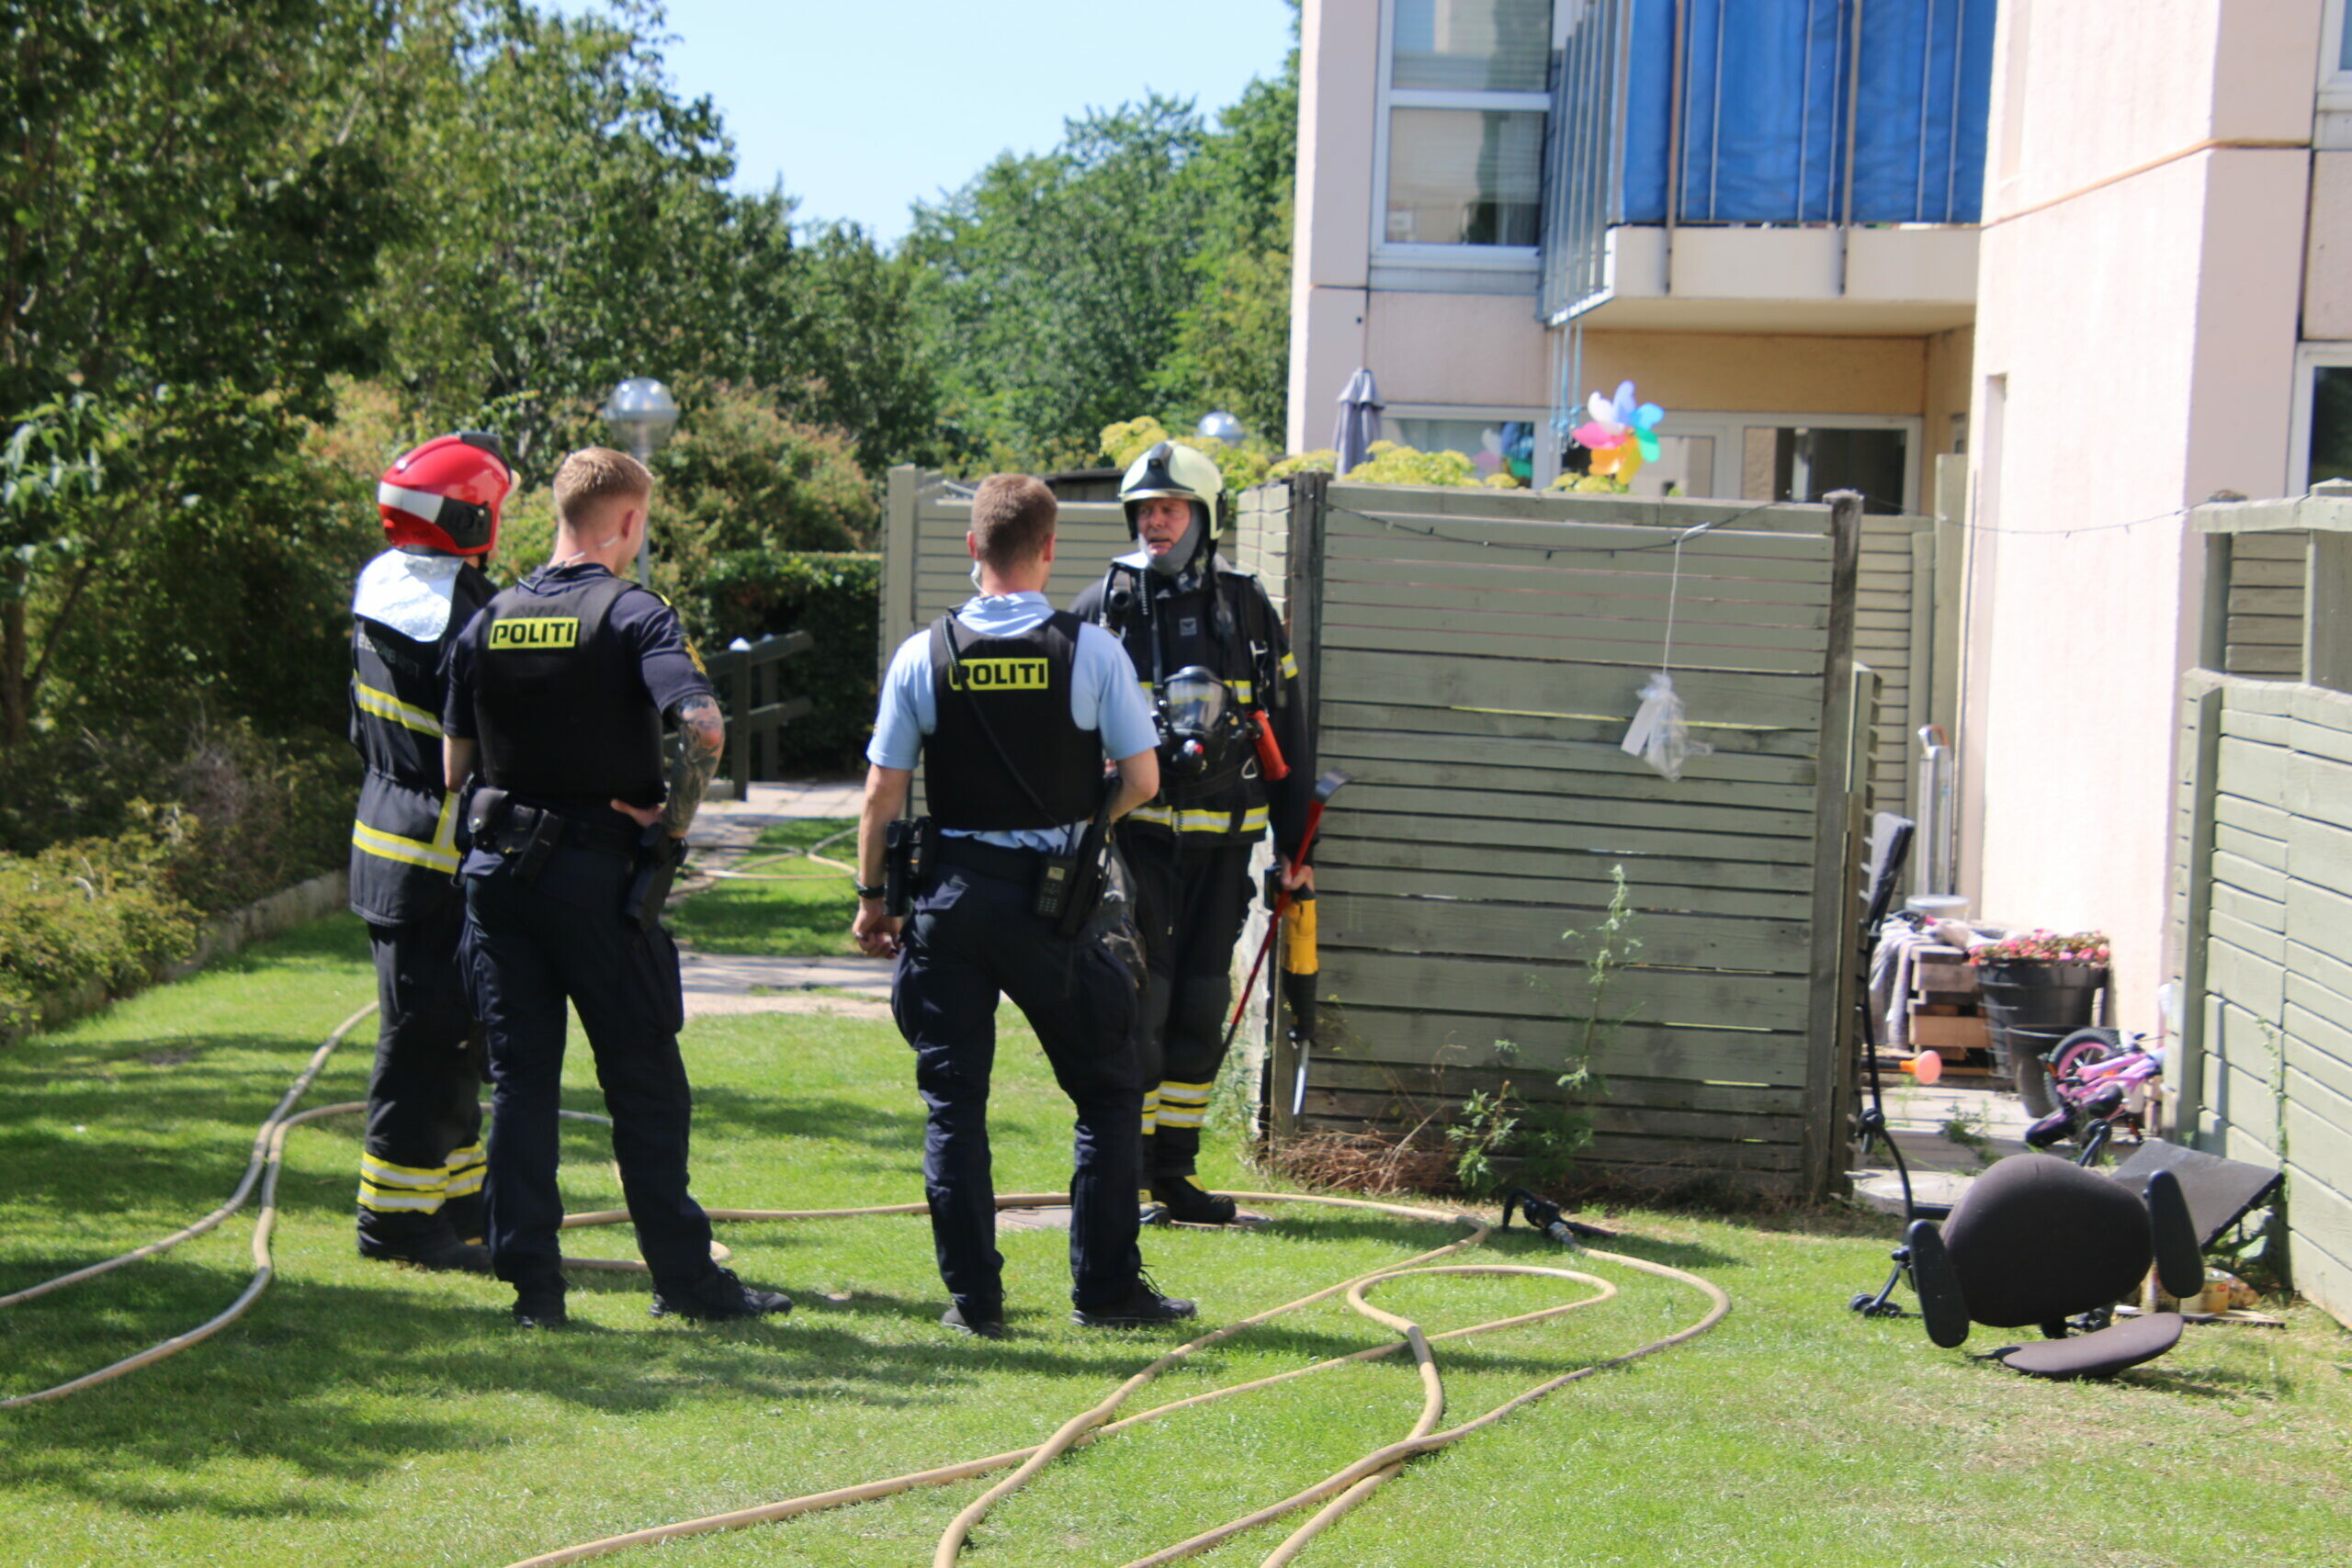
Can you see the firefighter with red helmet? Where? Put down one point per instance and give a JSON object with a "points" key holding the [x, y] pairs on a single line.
{"points": [[421, 1172]]}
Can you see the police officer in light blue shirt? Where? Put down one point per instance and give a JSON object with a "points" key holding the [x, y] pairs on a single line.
{"points": [[1013, 710]]}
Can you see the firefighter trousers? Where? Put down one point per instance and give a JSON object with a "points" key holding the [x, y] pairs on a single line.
{"points": [[1190, 899], [422, 1167]]}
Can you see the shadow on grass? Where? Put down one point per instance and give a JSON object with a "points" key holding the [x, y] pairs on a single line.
{"points": [[722, 1113], [299, 1379]]}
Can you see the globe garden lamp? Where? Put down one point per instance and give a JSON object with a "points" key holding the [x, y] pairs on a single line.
{"points": [[642, 413], [1219, 425]]}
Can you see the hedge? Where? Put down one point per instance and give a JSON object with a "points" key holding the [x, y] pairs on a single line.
{"points": [[95, 913], [837, 599], [113, 848]]}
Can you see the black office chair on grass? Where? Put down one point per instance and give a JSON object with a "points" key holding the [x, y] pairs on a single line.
{"points": [[2039, 1241]]}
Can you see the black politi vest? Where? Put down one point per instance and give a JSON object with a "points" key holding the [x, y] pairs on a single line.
{"points": [[403, 846], [1017, 690], [558, 705]]}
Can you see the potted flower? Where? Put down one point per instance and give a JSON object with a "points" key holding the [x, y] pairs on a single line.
{"points": [[2037, 988]]}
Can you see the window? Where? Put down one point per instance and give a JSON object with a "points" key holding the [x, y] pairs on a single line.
{"points": [[2335, 57], [1783, 457], [1463, 103], [1504, 442], [1805, 462], [1464, 178], [2320, 439]]}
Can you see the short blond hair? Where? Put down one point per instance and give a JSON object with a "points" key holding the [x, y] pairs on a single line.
{"points": [[596, 474], [1013, 516]]}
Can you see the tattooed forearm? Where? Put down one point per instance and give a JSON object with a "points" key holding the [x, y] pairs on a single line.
{"points": [[702, 736]]}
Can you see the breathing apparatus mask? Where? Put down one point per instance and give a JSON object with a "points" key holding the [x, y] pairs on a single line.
{"points": [[1198, 724]]}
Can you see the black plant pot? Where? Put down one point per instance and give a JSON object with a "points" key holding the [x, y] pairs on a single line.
{"points": [[2031, 1004]]}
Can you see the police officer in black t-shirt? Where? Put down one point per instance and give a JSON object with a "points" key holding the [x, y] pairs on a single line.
{"points": [[1013, 711], [561, 683], [1208, 643], [421, 1169]]}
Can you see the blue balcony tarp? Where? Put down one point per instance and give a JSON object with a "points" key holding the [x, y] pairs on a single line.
{"points": [[1763, 100]]}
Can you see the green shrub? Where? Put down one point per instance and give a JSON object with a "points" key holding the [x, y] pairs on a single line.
{"points": [[235, 815], [837, 599], [98, 911], [253, 815]]}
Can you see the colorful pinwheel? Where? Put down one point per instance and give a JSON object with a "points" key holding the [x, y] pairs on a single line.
{"points": [[1623, 435]]}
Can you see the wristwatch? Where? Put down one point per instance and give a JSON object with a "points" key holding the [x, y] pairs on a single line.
{"points": [[865, 890]]}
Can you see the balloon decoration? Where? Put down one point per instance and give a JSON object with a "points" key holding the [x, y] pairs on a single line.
{"points": [[1623, 435]]}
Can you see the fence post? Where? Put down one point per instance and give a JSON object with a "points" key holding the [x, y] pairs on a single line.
{"points": [[1833, 912], [2204, 701], [739, 737], [1309, 504], [893, 624], [1303, 596], [1867, 686]]}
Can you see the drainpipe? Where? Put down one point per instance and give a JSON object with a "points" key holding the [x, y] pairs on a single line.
{"points": [[1680, 90], [1853, 116]]}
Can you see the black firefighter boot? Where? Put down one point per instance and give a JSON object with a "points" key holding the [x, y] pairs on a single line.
{"points": [[428, 1241], [1175, 1189]]}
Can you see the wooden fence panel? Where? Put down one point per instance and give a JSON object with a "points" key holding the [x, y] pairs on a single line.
{"points": [[2264, 898], [1473, 659], [1477, 667]]}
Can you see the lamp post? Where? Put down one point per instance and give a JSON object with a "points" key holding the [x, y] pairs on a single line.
{"points": [[643, 413]]}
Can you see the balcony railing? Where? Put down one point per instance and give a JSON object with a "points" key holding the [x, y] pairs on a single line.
{"points": [[1779, 112]]}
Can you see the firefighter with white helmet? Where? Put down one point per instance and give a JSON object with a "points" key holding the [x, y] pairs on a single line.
{"points": [[421, 1172], [1233, 754]]}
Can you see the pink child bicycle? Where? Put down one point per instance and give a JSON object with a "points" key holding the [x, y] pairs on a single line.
{"points": [[2104, 1085]]}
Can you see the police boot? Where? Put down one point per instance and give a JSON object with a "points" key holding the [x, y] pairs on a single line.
{"points": [[717, 1297]]}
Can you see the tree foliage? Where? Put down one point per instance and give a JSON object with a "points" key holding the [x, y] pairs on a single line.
{"points": [[1059, 276], [1232, 347], [249, 251], [187, 225], [569, 226]]}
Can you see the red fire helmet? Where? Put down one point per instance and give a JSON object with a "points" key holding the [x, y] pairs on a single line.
{"points": [[445, 495]]}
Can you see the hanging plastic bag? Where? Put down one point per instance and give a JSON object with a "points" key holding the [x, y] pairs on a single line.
{"points": [[1659, 735]]}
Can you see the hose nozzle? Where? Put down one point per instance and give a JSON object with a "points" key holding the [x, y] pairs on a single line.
{"points": [[1545, 1215]]}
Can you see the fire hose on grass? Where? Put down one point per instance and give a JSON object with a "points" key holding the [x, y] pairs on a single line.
{"points": [[1335, 1494]]}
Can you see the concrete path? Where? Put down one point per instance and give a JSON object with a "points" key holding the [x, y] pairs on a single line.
{"points": [[1940, 1168], [723, 832]]}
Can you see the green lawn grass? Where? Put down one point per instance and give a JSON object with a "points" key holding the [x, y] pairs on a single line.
{"points": [[366, 1416], [806, 913]]}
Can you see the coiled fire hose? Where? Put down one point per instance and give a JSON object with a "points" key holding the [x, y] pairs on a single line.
{"points": [[1337, 1492]]}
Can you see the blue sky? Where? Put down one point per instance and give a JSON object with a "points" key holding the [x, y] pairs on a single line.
{"points": [[862, 109]]}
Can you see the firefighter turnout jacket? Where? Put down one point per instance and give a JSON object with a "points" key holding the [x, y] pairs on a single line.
{"points": [[1218, 618], [403, 844]]}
